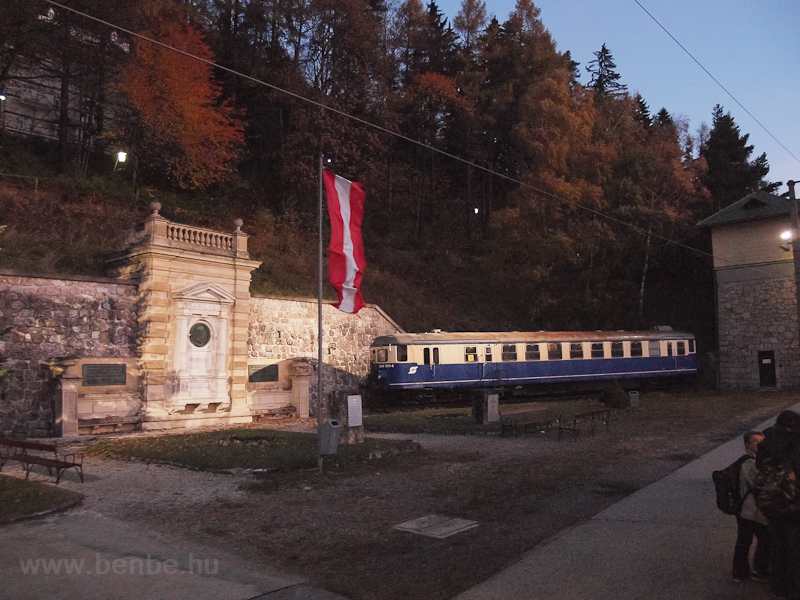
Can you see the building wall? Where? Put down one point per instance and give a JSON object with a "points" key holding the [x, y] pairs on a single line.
{"points": [[750, 243], [56, 318], [285, 328], [757, 311]]}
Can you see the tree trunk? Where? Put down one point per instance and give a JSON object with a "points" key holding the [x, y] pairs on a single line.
{"points": [[644, 270], [63, 113]]}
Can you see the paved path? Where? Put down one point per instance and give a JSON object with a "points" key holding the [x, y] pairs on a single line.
{"points": [[667, 541], [106, 559]]}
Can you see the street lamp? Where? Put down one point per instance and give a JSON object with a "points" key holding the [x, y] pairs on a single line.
{"points": [[121, 158]]}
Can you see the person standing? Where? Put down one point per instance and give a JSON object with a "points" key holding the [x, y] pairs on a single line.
{"points": [[750, 522], [778, 497]]}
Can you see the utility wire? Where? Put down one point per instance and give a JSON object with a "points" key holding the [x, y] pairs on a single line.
{"points": [[393, 133], [724, 89]]}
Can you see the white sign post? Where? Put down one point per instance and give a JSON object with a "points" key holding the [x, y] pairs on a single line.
{"points": [[354, 414], [492, 408]]}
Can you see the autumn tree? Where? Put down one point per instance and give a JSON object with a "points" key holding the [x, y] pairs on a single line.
{"points": [[469, 22], [175, 126]]}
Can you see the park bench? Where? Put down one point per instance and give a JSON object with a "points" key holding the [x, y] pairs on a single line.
{"points": [[29, 454], [589, 420]]}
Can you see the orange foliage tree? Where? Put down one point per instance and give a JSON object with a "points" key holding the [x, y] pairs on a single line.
{"points": [[177, 127]]}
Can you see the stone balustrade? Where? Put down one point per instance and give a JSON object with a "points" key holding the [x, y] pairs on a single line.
{"points": [[199, 237], [159, 231]]}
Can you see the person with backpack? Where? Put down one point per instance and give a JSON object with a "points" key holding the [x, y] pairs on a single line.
{"points": [[750, 522], [778, 498]]}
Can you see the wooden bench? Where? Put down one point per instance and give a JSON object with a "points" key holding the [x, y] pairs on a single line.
{"points": [[29, 454], [590, 420]]}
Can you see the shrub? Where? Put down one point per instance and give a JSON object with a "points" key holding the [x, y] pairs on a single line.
{"points": [[614, 396]]}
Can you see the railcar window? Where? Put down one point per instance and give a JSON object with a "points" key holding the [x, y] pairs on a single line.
{"points": [[426, 356], [655, 348], [402, 353], [436, 356], [488, 353], [670, 349], [681, 348], [617, 351], [471, 354], [636, 348], [691, 346], [576, 350], [509, 352], [597, 350], [553, 351], [532, 352], [383, 355]]}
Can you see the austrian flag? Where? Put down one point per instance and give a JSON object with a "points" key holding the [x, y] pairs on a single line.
{"points": [[346, 209]]}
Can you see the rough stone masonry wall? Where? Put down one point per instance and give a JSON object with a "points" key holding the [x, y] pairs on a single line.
{"points": [[283, 328], [754, 315], [55, 318]]}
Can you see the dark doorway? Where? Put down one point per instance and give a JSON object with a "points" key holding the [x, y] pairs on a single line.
{"points": [[766, 369]]}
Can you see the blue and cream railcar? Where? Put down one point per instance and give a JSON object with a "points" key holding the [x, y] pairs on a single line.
{"points": [[417, 361]]}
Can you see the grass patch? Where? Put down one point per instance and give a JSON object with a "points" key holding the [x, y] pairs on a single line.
{"points": [[20, 498], [233, 449], [459, 421]]}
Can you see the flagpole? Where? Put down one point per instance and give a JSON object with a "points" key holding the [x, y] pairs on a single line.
{"points": [[319, 333]]}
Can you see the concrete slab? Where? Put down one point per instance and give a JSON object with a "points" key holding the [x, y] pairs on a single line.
{"points": [[437, 526]]}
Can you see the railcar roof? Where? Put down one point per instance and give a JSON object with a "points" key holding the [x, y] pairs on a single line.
{"points": [[463, 337]]}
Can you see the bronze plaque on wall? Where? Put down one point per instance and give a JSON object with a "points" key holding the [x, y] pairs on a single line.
{"points": [[112, 374], [262, 374]]}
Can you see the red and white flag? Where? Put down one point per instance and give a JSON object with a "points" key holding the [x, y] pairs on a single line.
{"points": [[346, 209]]}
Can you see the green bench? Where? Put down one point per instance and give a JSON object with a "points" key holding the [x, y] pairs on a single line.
{"points": [[29, 454]]}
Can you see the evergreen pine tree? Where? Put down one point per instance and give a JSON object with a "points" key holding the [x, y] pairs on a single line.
{"points": [[605, 80], [643, 111], [731, 175]]}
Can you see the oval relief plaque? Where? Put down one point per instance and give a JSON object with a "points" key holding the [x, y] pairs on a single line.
{"points": [[199, 334]]}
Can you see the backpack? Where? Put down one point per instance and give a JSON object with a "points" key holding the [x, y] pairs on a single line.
{"points": [[726, 485], [776, 489]]}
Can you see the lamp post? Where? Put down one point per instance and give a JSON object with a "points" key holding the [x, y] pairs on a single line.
{"points": [[2, 108], [795, 243]]}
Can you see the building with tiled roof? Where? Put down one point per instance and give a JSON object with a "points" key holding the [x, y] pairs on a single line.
{"points": [[754, 271]]}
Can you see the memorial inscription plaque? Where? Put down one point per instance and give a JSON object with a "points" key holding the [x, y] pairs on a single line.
{"points": [[262, 374], [104, 374]]}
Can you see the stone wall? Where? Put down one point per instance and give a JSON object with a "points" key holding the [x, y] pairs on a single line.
{"points": [[284, 328], [757, 313], [55, 318]]}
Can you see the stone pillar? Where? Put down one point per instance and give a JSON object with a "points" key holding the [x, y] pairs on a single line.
{"points": [[66, 399], [301, 385]]}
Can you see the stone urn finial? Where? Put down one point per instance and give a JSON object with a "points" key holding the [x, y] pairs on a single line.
{"points": [[155, 207], [238, 224]]}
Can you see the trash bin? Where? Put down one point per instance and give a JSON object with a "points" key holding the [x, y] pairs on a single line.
{"points": [[329, 437], [634, 399]]}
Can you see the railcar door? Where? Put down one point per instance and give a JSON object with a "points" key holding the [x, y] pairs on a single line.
{"points": [[672, 352], [472, 370], [430, 358]]}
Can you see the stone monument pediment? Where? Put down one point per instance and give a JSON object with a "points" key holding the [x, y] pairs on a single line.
{"points": [[207, 292]]}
